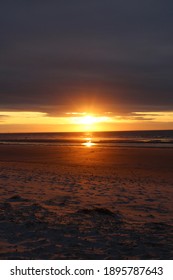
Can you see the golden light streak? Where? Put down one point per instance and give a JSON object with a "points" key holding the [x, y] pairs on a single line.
{"points": [[89, 122], [89, 119], [157, 116]]}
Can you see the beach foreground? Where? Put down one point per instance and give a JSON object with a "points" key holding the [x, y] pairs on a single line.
{"points": [[85, 202]]}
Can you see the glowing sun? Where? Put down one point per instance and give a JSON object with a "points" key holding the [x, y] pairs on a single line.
{"points": [[88, 120], [85, 120]]}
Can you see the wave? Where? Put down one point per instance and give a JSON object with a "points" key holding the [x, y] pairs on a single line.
{"points": [[144, 138]]}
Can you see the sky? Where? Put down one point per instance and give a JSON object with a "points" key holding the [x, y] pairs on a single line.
{"points": [[62, 61]]}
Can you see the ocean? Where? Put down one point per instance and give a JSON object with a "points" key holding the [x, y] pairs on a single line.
{"points": [[156, 138]]}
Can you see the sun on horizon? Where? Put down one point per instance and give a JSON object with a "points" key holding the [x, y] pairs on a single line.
{"points": [[29, 121]]}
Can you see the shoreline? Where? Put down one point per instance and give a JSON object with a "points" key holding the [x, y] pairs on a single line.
{"points": [[95, 145]]}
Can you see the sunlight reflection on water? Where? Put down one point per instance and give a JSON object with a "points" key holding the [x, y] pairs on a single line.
{"points": [[88, 142]]}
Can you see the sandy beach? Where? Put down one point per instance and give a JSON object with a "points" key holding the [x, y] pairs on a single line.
{"points": [[85, 202]]}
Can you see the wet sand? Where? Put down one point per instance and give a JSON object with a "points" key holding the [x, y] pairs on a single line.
{"points": [[85, 202]]}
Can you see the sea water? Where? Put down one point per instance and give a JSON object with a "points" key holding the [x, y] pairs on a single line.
{"points": [[155, 138]]}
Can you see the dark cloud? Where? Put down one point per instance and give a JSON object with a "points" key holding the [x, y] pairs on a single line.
{"points": [[56, 54]]}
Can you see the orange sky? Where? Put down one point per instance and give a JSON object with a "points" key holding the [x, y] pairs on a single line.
{"points": [[83, 121]]}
